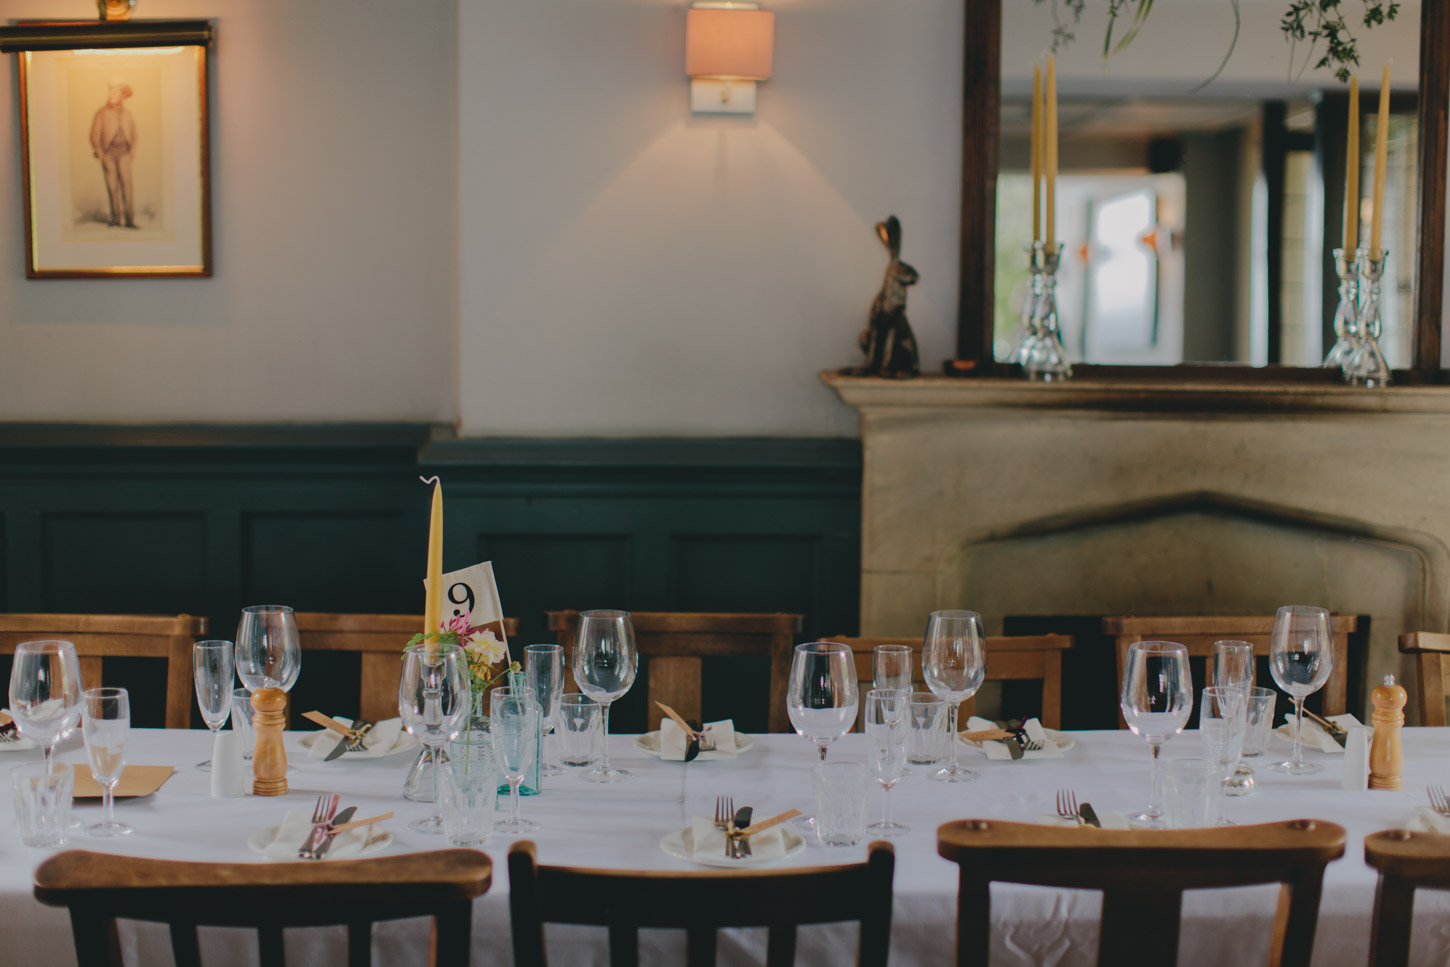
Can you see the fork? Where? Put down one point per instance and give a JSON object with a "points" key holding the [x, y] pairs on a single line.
{"points": [[724, 811], [1067, 806], [322, 815], [1438, 800]]}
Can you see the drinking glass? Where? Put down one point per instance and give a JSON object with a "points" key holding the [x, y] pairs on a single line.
{"points": [[212, 672], [107, 719], [578, 731], [1222, 720], [544, 673], [821, 695], [891, 667], [45, 692], [886, 731], [1157, 699], [605, 662], [840, 802], [242, 720], [926, 741], [42, 796], [953, 662], [515, 726], [1233, 664], [1194, 797], [1260, 716], [269, 654], [1301, 654], [469, 796], [434, 702]]}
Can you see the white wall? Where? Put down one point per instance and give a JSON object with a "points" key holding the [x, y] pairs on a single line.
{"points": [[333, 225], [626, 268]]}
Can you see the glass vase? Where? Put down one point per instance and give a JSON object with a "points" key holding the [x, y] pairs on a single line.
{"points": [[1028, 336], [1366, 366], [1346, 316], [1045, 360]]}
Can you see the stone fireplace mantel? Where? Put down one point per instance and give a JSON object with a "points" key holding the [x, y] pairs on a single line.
{"points": [[1117, 497]]}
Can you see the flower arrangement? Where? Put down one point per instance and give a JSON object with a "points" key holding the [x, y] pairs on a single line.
{"points": [[487, 654]]}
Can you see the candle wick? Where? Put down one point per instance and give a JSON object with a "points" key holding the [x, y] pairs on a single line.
{"points": [[429, 480]]}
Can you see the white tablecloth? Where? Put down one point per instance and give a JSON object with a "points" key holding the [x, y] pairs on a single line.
{"points": [[620, 826]]}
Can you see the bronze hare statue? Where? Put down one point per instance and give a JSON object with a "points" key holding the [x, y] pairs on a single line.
{"points": [[887, 340]]}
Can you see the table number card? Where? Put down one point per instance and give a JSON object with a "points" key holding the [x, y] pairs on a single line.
{"points": [[472, 594]]}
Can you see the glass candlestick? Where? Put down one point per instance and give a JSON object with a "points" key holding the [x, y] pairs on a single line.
{"points": [[1366, 365], [1045, 359], [1029, 333], [1346, 317]]}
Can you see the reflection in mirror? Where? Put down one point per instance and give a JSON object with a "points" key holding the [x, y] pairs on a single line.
{"points": [[1200, 227]]}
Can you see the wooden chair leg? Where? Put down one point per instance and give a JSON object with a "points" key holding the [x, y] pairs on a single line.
{"points": [[780, 657], [91, 671], [1394, 906], [623, 946], [360, 943], [676, 682], [97, 944], [380, 674], [1431, 669], [185, 947], [700, 943], [271, 950], [780, 948], [452, 935], [1052, 690], [178, 686]]}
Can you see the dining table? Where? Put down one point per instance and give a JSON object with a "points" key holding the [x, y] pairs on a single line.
{"points": [[621, 826]]}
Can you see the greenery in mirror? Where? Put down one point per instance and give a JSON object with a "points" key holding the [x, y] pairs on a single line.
{"points": [[1314, 21]]}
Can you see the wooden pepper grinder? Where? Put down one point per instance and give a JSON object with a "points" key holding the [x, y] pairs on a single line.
{"points": [[1386, 757], [269, 761]]}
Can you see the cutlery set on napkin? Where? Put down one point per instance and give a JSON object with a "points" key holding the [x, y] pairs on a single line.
{"points": [[1026, 741], [684, 741], [1326, 735], [328, 833], [732, 835], [352, 736]]}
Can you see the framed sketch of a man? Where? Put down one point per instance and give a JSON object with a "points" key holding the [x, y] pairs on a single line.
{"points": [[115, 162]]}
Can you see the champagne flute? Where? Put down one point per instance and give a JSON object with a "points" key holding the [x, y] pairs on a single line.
{"points": [[891, 667], [605, 663], [1301, 654], [514, 724], [544, 674], [1233, 664], [46, 692], [953, 662], [212, 671], [886, 731], [107, 719], [434, 702], [1222, 722], [1157, 699]]}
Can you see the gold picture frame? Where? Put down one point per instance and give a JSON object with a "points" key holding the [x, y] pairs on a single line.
{"points": [[115, 162]]}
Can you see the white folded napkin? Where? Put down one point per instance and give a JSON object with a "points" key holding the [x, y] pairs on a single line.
{"points": [[1314, 736], [297, 825], [998, 749], [379, 737], [709, 841], [1109, 820], [1428, 821], [673, 740]]}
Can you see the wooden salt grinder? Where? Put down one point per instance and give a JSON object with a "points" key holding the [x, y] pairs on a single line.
{"points": [[1386, 757], [269, 761]]}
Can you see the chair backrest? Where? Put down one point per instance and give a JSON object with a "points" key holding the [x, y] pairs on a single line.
{"points": [[101, 888], [1142, 875], [700, 903], [1406, 861], [674, 643], [1198, 633], [1432, 665], [379, 640], [1012, 658], [100, 636]]}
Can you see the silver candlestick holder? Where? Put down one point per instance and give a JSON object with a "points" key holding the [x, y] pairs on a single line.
{"points": [[1346, 316], [1366, 365], [1045, 359], [1028, 336]]}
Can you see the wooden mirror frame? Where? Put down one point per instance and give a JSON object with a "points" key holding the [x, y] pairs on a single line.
{"points": [[981, 123]]}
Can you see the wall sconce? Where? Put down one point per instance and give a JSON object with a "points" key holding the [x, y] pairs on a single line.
{"points": [[729, 45]]}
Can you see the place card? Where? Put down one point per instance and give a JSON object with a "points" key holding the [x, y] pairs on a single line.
{"points": [[135, 781]]}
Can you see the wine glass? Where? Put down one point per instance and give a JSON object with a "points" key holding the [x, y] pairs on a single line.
{"points": [[434, 702], [514, 724], [1222, 724], [544, 674], [1301, 654], [1157, 699], [212, 671], [269, 654], [821, 695], [953, 662], [605, 662], [891, 667], [45, 692], [1233, 664], [107, 719], [886, 731]]}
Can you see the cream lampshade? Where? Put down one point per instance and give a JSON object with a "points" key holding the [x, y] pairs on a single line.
{"points": [[728, 47]]}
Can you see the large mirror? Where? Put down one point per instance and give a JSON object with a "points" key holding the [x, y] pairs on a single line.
{"points": [[1199, 199]]}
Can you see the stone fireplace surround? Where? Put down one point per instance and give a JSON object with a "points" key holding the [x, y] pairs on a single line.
{"points": [[1154, 497]]}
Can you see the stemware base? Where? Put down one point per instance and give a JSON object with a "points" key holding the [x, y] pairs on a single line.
{"points": [[514, 827], [954, 774], [1291, 768], [204, 766], [805, 825], [433, 826], [549, 769], [606, 775], [108, 829], [1147, 821], [888, 830]]}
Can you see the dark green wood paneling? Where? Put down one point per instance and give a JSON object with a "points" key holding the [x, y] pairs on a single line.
{"points": [[121, 561]]}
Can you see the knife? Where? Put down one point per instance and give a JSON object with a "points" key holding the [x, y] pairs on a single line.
{"points": [[737, 847], [351, 740], [1336, 732], [1016, 743], [331, 832], [318, 829], [1088, 816]]}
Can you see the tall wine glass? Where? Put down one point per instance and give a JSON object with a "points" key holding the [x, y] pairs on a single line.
{"points": [[269, 653], [821, 696], [1233, 665], [605, 662], [1222, 722], [544, 674], [1157, 699], [45, 692], [953, 662], [212, 671], [886, 730], [891, 667], [434, 702], [514, 724], [1301, 654], [106, 722]]}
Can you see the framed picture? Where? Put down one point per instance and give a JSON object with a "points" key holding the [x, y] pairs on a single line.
{"points": [[114, 145]]}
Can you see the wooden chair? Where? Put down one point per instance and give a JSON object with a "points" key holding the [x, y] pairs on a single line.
{"points": [[101, 636], [100, 888], [675, 642], [1015, 658], [1432, 663], [700, 903], [1142, 875], [379, 640], [1406, 861], [1198, 634]]}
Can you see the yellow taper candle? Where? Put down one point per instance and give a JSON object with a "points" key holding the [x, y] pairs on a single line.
{"points": [[1036, 152], [1381, 159], [1049, 124], [431, 607], [1351, 168]]}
